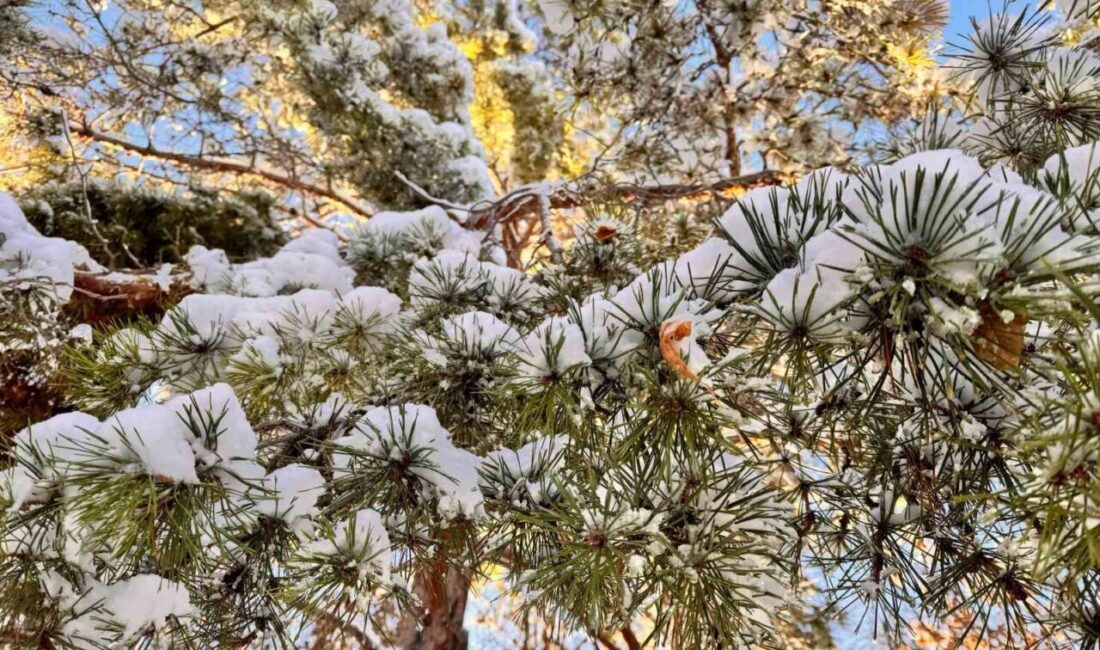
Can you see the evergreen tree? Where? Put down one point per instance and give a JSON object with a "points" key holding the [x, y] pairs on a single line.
{"points": [[870, 395], [131, 226]]}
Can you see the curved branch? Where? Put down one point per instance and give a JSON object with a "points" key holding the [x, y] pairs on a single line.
{"points": [[226, 166]]}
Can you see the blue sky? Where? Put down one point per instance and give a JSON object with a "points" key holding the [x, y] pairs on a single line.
{"points": [[961, 10]]}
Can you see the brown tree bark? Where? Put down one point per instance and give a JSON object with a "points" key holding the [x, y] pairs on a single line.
{"points": [[99, 298], [443, 591]]}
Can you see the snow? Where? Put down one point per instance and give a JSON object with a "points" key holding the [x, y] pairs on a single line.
{"points": [[42, 450], [801, 302], [707, 273], [606, 339], [432, 219], [290, 493], [909, 186], [330, 413], [371, 307], [649, 299], [146, 600], [832, 255], [362, 538], [1080, 166], [552, 349], [224, 433], [81, 332], [292, 269], [26, 256], [18, 487], [413, 430], [154, 438], [449, 273], [925, 202], [527, 471], [130, 606], [473, 172], [316, 242], [479, 334], [262, 350], [508, 287], [311, 260], [745, 231], [953, 319], [161, 440], [213, 316], [55, 439]]}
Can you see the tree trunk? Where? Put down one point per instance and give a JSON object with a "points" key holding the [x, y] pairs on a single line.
{"points": [[443, 591]]}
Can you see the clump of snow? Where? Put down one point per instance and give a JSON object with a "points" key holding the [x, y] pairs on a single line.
{"points": [[448, 274], [148, 439], [555, 347], [524, 474], [362, 539], [1080, 166], [169, 441], [316, 242], [372, 309], [215, 425], [210, 268], [802, 304], [310, 261], [921, 207], [479, 335], [28, 257], [41, 451], [261, 350], [290, 493], [126, 609], [706, 271], [413, 432]]}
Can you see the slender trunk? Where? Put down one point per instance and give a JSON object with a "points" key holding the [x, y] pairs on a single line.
{"points": [[443, 591]]}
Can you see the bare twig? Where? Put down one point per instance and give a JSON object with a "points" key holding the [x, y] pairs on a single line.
{"points": [[422, 193], [83, 175]]}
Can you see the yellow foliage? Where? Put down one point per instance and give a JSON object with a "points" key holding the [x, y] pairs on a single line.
{"points": [[492, 118], [910, 53], [23, 162]]}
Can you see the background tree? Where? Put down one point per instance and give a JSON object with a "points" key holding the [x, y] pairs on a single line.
{"points": [[706, 90]]}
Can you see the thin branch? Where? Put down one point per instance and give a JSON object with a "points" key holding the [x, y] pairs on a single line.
{"points": [[422, 193], [83, 175], [228, 166]]}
